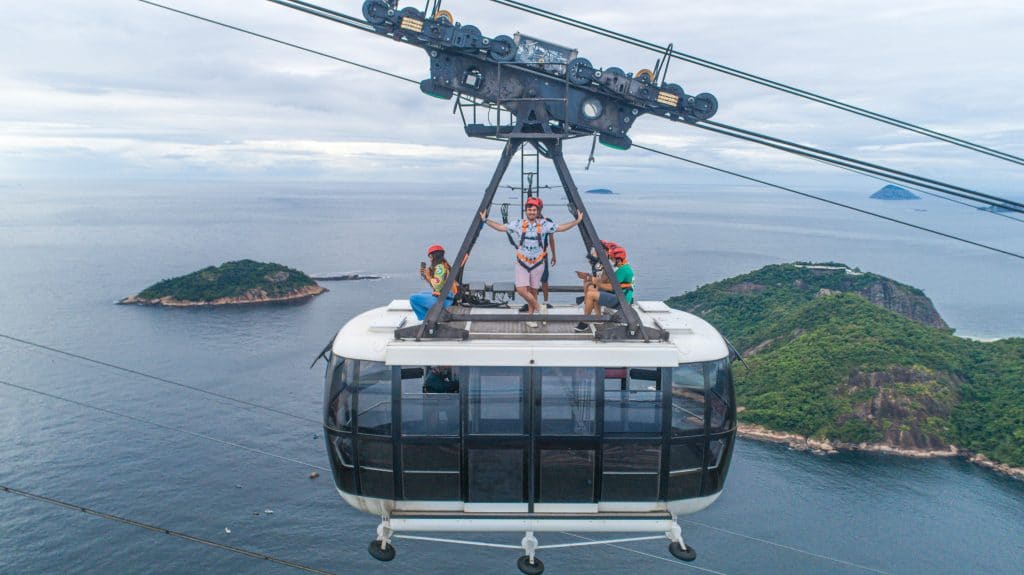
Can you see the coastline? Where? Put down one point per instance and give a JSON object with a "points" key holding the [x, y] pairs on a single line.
{"points": [[825, 447], [249, 298]]}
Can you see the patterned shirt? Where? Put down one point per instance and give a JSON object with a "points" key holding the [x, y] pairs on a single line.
{"points": [[531, 238]]}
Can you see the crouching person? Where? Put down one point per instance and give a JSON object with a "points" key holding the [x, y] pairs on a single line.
{"points": [[435, 275]]}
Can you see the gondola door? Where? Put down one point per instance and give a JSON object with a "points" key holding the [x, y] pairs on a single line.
{"points": [[566, 433], [497, 419]]}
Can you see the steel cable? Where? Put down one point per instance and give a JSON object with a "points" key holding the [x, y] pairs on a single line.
{"points": [[762, 81], [165, 531]]}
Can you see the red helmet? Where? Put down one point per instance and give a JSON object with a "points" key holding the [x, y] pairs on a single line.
{"points": [[609, 245], [535, 202], [617, 253], [434, 248]]}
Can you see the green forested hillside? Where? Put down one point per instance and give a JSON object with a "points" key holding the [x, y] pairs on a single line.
{"points": [[827, 363]]}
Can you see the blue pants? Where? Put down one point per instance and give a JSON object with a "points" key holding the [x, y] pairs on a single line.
{"points": [[423, 301]]}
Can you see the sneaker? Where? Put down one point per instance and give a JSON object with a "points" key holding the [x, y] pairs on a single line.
{"points": [[582, 327], [524, 308], [532, 324], [548, 306], [579, 300]]}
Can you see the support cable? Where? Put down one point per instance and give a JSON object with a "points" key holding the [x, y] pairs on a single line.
{"points": [[158, 378], [801, 149], [710, 167], [275, 40], [828, 201], [156, 529], [807, 95], [161, 426]]}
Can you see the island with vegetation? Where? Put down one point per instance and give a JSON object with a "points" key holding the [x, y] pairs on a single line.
{"points": [[842, 359], [231, 283]]}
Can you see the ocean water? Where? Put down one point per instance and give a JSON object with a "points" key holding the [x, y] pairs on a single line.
{"points": [[68, 250]]}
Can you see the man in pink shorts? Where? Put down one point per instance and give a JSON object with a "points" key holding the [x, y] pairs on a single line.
{"points": [[530, 236]]}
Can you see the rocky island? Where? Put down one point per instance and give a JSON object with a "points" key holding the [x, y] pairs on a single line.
{"points": [[231, 283], [891, 192], [842, 359]]}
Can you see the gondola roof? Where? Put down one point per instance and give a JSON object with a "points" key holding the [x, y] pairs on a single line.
{"points": [[371, 336]]}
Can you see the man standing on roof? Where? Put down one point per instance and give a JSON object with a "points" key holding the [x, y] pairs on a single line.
{"points": [[530, 237]]}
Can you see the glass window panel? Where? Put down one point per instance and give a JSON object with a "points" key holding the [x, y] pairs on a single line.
{"points": [[688, 399], [684, 485], [632, 458], [422, 486], [567, 400], [376, 483], [431, 458], [375, 453], [629, 487], [719, 454], [496, 403], [342, 463], [632, 401], [374, 388], [720, 398], [567, 475], [686, 457], [427, 413], [338, 400], [496, 475]]}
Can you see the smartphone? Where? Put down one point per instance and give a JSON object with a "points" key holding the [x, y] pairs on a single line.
{"points": [[423, 265]]}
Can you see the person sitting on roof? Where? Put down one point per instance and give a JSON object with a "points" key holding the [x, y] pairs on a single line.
{"points": [[530, 237], [599, 292], [435, 274]]}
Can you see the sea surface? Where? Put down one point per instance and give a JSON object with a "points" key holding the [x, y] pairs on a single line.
{"points": [[68, 250]]}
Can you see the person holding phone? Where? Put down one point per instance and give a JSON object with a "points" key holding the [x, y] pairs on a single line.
{"points": [[598, 290], [435, 275]]}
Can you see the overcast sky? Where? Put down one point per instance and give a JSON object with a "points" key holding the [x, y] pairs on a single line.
{"points": [[119, 89]]}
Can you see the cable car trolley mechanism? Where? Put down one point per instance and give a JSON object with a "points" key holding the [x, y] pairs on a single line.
{"points": [[474, 421]]}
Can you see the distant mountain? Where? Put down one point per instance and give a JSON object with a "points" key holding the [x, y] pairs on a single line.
{"points": [[600, 191], [891, 192], [995, 209], [859, 360]]}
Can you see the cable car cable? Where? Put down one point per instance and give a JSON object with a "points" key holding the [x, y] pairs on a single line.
{"points": [[157, 378], [161, 426], [833, 202], [275, 40], [792, 90], [919, 190], [762, 138], [157, 529], [722, 170], [843, 162]]}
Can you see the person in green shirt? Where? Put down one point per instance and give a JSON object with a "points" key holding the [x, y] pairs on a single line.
{"points": [[598, 291]]}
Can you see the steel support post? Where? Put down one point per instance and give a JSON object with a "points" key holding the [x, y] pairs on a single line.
{"points": [[437, 312], [634, 327]]}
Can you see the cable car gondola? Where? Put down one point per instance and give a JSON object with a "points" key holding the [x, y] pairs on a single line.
{"points": [[539, 430]]}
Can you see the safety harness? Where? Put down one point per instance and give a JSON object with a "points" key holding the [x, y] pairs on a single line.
{"points": [[437, 280], [530, 263]]}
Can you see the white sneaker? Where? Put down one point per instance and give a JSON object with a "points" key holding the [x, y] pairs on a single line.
{"points": [[532, 324]]}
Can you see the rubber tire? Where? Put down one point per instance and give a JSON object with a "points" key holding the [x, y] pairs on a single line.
{"points": [[380, 554], [524, 565], [677, 551], [375, 11]]}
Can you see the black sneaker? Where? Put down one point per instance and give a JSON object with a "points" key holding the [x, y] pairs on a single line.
{"points": [[549, 305], [582, 327], [579, 300], [524, 308]]}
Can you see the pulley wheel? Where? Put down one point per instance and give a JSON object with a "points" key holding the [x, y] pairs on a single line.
{"points": [[535, 568], [644, 75], [473, 36], [503, 49], [580, 71], [375, 11], [444, 16], [704, 106]]}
